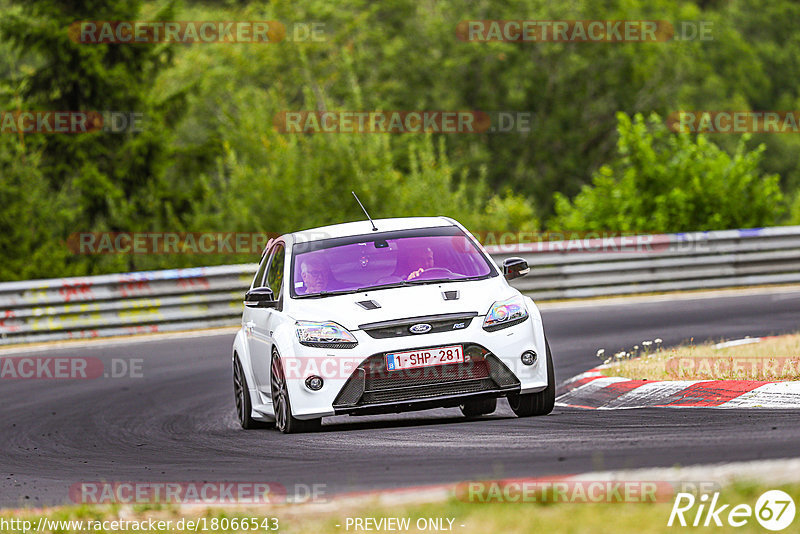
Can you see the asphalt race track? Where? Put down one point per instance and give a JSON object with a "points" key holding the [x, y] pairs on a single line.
{"points": [[177, 422]]}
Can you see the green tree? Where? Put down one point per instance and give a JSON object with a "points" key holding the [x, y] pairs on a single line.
{"points": [[210, 159], [115, 179], [661, 181], [27, 220]]}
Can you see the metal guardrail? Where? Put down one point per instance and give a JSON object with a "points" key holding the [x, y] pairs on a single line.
{"points": [[122, 304], [582, 268], [180, 299]]}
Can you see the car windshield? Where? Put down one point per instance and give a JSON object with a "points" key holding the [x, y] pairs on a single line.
{"points": [[387, 259]]}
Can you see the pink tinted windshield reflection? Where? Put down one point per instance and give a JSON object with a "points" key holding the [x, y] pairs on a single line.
{"points": [[358, 265]]}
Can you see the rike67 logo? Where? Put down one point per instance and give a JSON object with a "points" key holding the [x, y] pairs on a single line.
{"points": [[774, 510]]}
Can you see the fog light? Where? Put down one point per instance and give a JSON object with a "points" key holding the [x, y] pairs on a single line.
{"points": [[314, 383], [528, 357]]}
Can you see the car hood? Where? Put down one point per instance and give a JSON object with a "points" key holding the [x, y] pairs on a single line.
{"points": [[402, 302]]}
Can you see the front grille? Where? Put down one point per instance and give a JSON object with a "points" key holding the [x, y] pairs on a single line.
{"points": [[380, 378], [352, 390], [500, 373], [433, 390], [439, 323], [371, 383]]}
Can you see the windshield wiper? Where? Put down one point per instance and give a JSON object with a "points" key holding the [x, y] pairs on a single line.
{"points": [[327, 294], [443, 280], [401, 283]]}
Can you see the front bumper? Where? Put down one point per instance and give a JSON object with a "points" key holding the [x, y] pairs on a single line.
{"points": [[372, 386], [364, 386]]}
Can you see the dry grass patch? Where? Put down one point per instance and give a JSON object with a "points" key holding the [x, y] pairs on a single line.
{"points": [[769, 359]]}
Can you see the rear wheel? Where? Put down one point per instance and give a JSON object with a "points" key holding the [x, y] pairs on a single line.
{"points": [[284, 421], [244, 407], [540, 403], [474, 408]]}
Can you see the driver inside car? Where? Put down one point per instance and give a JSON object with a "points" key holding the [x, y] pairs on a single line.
{"points": [[422, 259], [314, 273]]}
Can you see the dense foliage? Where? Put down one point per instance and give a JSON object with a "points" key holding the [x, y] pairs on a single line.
{"points": [[210, 159], [666, 182]]}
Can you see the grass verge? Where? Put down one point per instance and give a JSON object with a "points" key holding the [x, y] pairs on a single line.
{"points": [[771, 359], [467, 518]]}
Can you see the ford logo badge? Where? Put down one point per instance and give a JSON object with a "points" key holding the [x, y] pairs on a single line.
{"points": [[420, 328]]}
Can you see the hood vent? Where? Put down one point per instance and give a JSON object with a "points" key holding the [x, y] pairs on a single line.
{"points": [[450, 295], [369, 304]]}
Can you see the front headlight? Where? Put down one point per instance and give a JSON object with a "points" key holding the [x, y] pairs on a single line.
{"points": [[505, 313], [327, 334]]}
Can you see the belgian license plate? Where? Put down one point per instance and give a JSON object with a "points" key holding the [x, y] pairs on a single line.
{"points": [[424, 357]]}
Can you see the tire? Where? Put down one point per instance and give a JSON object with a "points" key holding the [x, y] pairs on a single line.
{"points": [[540, 403], [244, 406], [475, 408], [284, 420]]}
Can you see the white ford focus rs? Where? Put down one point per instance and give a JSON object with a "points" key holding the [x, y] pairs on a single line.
{"points": [[396, 315]]}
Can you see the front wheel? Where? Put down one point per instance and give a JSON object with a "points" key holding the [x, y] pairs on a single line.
{"points": [[244, 407], [540, 403], [474, 408], [284, 420]]}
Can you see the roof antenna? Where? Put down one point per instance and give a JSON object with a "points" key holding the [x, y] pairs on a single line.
{"points": [[374, 228]]}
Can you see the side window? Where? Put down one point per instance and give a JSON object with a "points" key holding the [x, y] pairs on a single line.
{"points": [[275, 273], [257, 280]]}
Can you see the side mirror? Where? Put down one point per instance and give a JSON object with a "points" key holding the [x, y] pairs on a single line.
{"points": [[260, 297], [514, 268]]}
